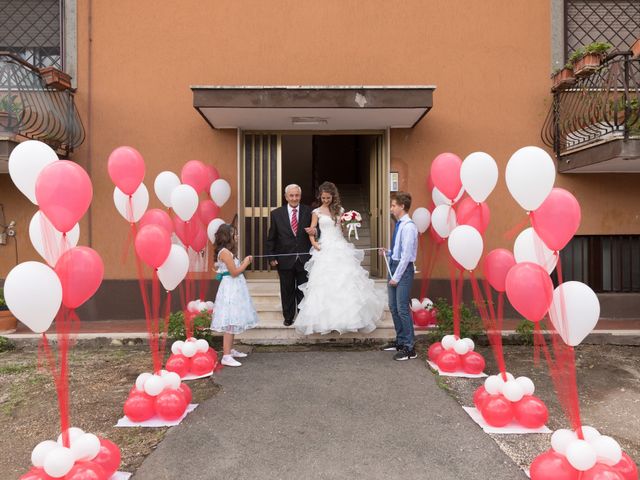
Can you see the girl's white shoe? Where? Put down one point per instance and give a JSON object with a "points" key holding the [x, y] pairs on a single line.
{"points": [[229, 361], [237, 354]]}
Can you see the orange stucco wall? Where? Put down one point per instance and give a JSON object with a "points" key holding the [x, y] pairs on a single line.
{"points": [[489, 60]]}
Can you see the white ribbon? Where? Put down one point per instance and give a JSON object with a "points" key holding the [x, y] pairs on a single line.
{"points": [[352, 228]]}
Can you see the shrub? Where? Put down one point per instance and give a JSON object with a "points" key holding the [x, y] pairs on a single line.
{"points": [[6, 344], [470, 323], [201, 324], [524, 329]]}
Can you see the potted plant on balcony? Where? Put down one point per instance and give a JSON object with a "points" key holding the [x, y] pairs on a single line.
{"points": [[589, 58], [8, 322], [563, 77], [55, 78]]}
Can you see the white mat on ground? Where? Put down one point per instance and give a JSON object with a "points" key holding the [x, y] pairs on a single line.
{"points": [[510, 428], [120, 476], [156, 421], [455, 374], [191, 376]]}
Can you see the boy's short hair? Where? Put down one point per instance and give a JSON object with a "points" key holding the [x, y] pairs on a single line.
{"points": [[402, 198]]}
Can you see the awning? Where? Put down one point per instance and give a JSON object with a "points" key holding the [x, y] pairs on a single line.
{"points": [[313, 107]]}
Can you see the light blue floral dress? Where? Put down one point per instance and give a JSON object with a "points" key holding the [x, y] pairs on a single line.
{"points": [[234, 311]]}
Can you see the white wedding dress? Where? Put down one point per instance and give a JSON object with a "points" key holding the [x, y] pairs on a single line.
{"points": [[339, 295]]}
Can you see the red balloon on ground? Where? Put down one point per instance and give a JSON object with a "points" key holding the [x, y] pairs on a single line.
{"points": [[531, 412], [86, 471], [552, 466], [108, 457], [448, 361], [170, 404], [36, 473], [421, 318], [186, 391], [213, 354], [497, 411], [602, 472], [80, 270], [479, 397], [201, 363], [472, 362], [179, 364], [627, 468], [139, 407], [435, 349]]}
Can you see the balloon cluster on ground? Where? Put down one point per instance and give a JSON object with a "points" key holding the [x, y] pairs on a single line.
{"points": [[193, 357], [453, 354], [422, 312], [163, 394]]}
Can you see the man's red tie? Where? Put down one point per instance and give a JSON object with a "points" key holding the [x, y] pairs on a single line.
{"points": [[294, 221]]}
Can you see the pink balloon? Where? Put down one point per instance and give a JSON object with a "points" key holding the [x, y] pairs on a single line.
{"points": [[81, 271], [156, 216], [551, 464], [153, 244], [496, 265], [180, 227], [198, 235], [445, 173], [126, 169], [557, 220], [477, 215], [213, 175], [208, 210], [64, 192], [530, 290], [196, 174]]}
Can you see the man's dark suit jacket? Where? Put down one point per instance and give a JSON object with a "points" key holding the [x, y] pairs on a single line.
{"points": [[281, 239]]}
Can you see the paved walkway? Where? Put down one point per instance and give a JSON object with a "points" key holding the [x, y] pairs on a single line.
{"points": [[328, 415]]}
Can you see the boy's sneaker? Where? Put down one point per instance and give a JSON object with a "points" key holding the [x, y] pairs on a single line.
{"points": [[405, 354], [229, 361], [389, 347], [236, 354]]}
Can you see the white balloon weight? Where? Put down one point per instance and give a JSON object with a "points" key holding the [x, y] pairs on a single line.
{"points": [[608, 451], [439, 199], [131, 209], [220, 192], [530, 175], [85, 447], [427, 303], [448, 342], [33, 293], [143, 378], [512, 391], [189, 349], [49, 242], [527, 385], [171, 380], [493, 384], [470, 343], [581, 455], [40, 452], [465, 245], [574, 312], [74, 433], [202, 345], [174, 268], [461, 347], [163, 185], [443, 220], [212, 228], [479, 175], [528, 247], [25, 164], [58, 462], [154, 385], [590, 434], [176, 347], [415, 305], [561, 439], [184, 201], [422, 218]]}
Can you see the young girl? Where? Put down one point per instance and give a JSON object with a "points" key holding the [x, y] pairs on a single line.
{"points": [[234, 312]]}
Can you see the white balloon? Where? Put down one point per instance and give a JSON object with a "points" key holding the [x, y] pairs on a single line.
{"points": [[493, 384], [85, 447], [512, 391], [439, 199], [164, 184], [443, 220], [191, 339], [530, 175], [220, 192], [210, 306], [590, 434], [58, 462], [212, 228], [448, 341], [202, 345], [176, 347], [131, 211], [154, 385], [527, 385], [528, 247], [171, 380], [574, 312], [33, 293], [470, 344], [581, 455], [74, 433], [193, 306], [479, 175], [608, 451], [461, 347], [26, 162], [509, 376], [48, 241], [426, 303], [422, 218], [174, 268], [143, 377], [415, 305], [39, 453], [184, 201], [189, 349], [561, 439], [465, 245]]}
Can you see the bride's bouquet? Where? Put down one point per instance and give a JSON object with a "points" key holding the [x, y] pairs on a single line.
{"points": [[352, 220]]}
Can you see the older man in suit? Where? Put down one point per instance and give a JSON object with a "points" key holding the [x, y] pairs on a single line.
{"points": [[289, 233]]}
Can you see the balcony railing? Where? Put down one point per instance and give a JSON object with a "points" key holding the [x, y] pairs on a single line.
{"points": [[31, 108], [597, 108]]}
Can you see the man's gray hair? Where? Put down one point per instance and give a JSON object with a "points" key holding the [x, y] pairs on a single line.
{"points": [[290, 186]]}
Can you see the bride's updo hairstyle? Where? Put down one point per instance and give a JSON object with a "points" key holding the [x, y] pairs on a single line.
{"points": [[334, 206], [225, 239]]}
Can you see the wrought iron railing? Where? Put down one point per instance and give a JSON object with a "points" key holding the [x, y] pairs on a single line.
{"points": [[597, 108], [31, 109]]}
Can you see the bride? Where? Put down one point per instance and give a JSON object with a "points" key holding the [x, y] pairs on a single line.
{"points": [[339, 294]]}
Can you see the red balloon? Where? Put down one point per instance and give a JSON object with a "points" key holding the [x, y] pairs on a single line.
{"points": [[213, 354], [213, 175], [435, 237], [139, 407], [531, 412], [186, 391], [448, 361], [198, 235], [155, 216], [602, 472], [496, 265], [530, 290], [497, 411], [126, 169], [64, 192], [179, 364], [196, 174], [435, 349], [201, 363], [108, 457], [81, 271], [472, 362], [86, 471], [627, 468], [477, 215], [556, 221], [36, 473], [421, 318], [170, 404], [180, 227], [208, 210], [445, 173], [550, 465], [153, 244], [479, 397]]}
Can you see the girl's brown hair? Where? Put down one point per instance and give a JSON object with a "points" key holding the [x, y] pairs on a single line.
{"points": [[334, 207], [225, 239]]}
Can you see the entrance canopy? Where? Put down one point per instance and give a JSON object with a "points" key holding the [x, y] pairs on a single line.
{"points": [[313, 107]]}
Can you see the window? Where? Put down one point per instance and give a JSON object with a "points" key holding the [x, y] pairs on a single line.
{"points": [[32, 29]]}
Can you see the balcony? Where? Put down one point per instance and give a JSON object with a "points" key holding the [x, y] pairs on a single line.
{"points": [[593, 125], [36, 104]]}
